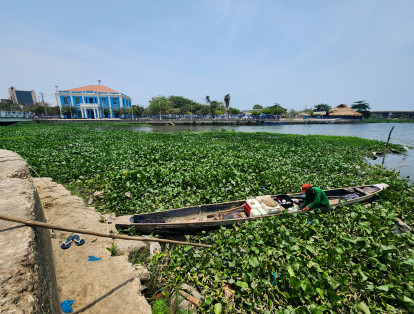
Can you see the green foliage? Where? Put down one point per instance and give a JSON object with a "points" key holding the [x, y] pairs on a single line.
{"points": [[117, 112], [137, 110], [234, 111], [227, 100], [378, 120], [177, 105], [217, 108], [67, 110], [346, 260], [362, 107], [112, 249], [257, 107], [42, 109], [106, 112], [322, 107], [276, 109]]}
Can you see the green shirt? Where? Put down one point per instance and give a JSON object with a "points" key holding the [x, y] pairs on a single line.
{"points": [[317, 199]]}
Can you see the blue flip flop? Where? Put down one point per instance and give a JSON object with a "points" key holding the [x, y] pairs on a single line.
{"points": [[66, 244], [78, 240]]}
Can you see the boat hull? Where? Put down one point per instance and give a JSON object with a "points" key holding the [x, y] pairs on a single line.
{"points": [[165, 222]]}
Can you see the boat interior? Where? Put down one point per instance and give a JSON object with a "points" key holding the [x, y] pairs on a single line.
{"points": [[236, 209]]}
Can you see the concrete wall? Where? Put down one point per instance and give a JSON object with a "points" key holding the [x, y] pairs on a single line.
{"points": [[27, 273]]}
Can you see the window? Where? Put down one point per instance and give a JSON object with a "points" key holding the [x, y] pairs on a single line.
{"points": [[104, 101], [65, 100], [91, 101], [115, 101], [77, 100]]}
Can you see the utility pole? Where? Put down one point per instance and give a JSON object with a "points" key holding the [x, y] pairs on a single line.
{"points": [[160, 108], [57, 101]]}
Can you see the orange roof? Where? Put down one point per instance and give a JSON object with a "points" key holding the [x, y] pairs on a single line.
{"points": [[93, 88]]}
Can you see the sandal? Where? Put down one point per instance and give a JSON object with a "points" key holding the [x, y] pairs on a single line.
{"points": [[78, 240], [66, 244]]}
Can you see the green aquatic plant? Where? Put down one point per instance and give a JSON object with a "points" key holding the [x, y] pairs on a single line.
{"points": [[339, 261]]}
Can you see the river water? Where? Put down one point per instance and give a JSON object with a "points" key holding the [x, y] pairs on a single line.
{"points": [[403, 134]]}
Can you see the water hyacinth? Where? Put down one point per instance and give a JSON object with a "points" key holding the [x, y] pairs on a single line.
{"points": [[342, 261]]}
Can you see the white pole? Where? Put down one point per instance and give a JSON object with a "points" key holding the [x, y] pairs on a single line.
{"points": [[58, 102]]}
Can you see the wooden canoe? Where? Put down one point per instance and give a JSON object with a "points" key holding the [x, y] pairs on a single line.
{"points": [[197, 218]]}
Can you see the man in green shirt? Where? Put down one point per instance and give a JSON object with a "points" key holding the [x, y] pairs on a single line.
{"points": [[314, 197]]}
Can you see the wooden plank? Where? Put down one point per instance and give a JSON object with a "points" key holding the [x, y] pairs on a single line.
{"points": [[189, 297]]}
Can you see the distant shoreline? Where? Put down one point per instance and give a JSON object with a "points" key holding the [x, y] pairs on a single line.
{"points": [[201, 121], [204, 121]]}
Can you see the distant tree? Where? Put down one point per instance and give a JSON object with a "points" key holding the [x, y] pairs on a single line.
{"points": [[214, 106], [173, 111], [293, 112], [38, 110], [54, 110], [137, 110], [208, 99], [308, 111], [234, 111], [279, 110], [117, 112], [106, 112], [362, 107], [268, 111], [125, 112], [5, 106], [157, 105], [204, 110], [66, 111], [257, 106], [323, 107], [227, 101], [255, 113]]}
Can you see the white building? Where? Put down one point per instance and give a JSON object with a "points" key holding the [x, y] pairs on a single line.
{"points": [[91, 102]]}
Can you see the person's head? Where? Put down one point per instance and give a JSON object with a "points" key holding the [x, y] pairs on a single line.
{"points": [[306, 188]]}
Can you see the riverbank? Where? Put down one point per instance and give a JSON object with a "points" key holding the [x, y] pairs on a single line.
{"points": [[37, 275], [104, 284], [396, 120]]}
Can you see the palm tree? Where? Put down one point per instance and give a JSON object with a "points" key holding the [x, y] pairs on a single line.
{"points": [[208, 99], [227, 101]]}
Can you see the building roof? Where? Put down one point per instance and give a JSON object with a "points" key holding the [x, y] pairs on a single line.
{"points": [[93, 88], [344, 110]]}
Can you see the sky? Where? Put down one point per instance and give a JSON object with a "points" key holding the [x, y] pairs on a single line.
{"points": [[297, 53]]}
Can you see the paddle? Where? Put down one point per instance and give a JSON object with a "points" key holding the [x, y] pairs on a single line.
{"points": [[99, 234]]}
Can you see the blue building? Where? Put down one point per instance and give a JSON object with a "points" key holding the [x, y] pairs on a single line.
{"points": [[92, 102]]}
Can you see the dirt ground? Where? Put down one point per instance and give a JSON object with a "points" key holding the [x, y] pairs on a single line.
{"points": [[108, 285]]}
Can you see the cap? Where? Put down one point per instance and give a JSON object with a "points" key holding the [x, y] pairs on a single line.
{"points": [[305, 187]]}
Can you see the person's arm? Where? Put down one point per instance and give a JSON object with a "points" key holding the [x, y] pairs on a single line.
{"points": [[305, 203], [317, 200]]}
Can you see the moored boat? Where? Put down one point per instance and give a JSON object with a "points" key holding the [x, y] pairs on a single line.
{"points": [[211, 216]]}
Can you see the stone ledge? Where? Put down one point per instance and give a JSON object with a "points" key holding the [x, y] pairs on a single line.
{"points": [[27, 277]]}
